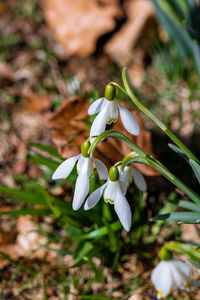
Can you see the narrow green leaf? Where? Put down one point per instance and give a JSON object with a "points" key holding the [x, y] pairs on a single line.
{"points": [[195, 283], [44, 161], [184, 217], [49, 200], [98, 233], [191, 252], [25, 212], [196, 168], [194, 263], [87, 247], [112, 237], [93, 252], [178, 151], [23, 196], [45, 297], [50, 150], [189, 205]]}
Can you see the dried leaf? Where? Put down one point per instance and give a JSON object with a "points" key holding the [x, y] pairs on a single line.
{"points": [[35, 103], [126, 45], [78, 24], [68, 133]]}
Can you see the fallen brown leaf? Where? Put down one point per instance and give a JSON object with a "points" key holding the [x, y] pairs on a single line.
{"points": [[35, 103], [78, 24], [130, 44], [68, 133]]}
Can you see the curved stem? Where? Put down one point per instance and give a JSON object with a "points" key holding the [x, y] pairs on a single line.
{"points": [[146, 159], [147, 112]]}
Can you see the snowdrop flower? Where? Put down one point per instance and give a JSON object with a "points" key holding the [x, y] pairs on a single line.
{"points": [[130, 174], [85, 169], [108, 110], [112, 193], [170, 274]]}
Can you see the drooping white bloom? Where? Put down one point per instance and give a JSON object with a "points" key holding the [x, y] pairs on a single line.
{"points": [[112, 193], [108, 113], [170, 275], [85, 168], [130, 174]]}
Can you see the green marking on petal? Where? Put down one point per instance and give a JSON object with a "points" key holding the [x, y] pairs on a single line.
{"points": [[113, 120], [109, 200]]}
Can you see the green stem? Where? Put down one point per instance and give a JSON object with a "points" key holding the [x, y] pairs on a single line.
{"points": [[146, 159], [160, 124]]}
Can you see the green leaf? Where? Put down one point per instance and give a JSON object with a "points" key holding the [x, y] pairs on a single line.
{"points": [[44, 161], [189, 205], [50, 150], [195, 283], [178, 151], [85, 248], [196, 168], [93, 252], [49, 200], [98, 233], [183, 217], [191, 252], [112, 237], [25, 212], [194, 263], [23, 196]]}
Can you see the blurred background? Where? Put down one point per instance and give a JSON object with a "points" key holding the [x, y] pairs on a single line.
{"points": [[55, 58]]}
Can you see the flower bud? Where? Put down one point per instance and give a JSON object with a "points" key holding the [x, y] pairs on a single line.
{"points": [[165, 254], [84, 149], [110, 92], [113, 173]]}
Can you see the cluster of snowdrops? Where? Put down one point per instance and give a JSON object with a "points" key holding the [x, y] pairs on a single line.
{"points": [[169, 274]]}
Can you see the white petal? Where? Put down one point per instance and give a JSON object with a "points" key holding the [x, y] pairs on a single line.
{"points": [[162, 279], [183, 267], [101, 169], [110, 191], [81, 187], [179, 279], [65, 168], [182, 272], [129, 121], [95, 107], [85, 160], [126, 176], [99, 123], [139, 180], [112, 111], [94, 198], [122, 209]]}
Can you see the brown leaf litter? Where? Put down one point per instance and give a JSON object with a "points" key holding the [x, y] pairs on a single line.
{"points": [[78, 24]]}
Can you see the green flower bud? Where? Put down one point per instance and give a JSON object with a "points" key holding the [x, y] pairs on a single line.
{"points": [[165, 254], [113, 173], [110, 92], [84, 149]]}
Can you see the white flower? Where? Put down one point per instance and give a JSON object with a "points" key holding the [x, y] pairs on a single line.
{"points": [[85, 169], [170, 275], [130, 174], [108, 113], [112, 193]]}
